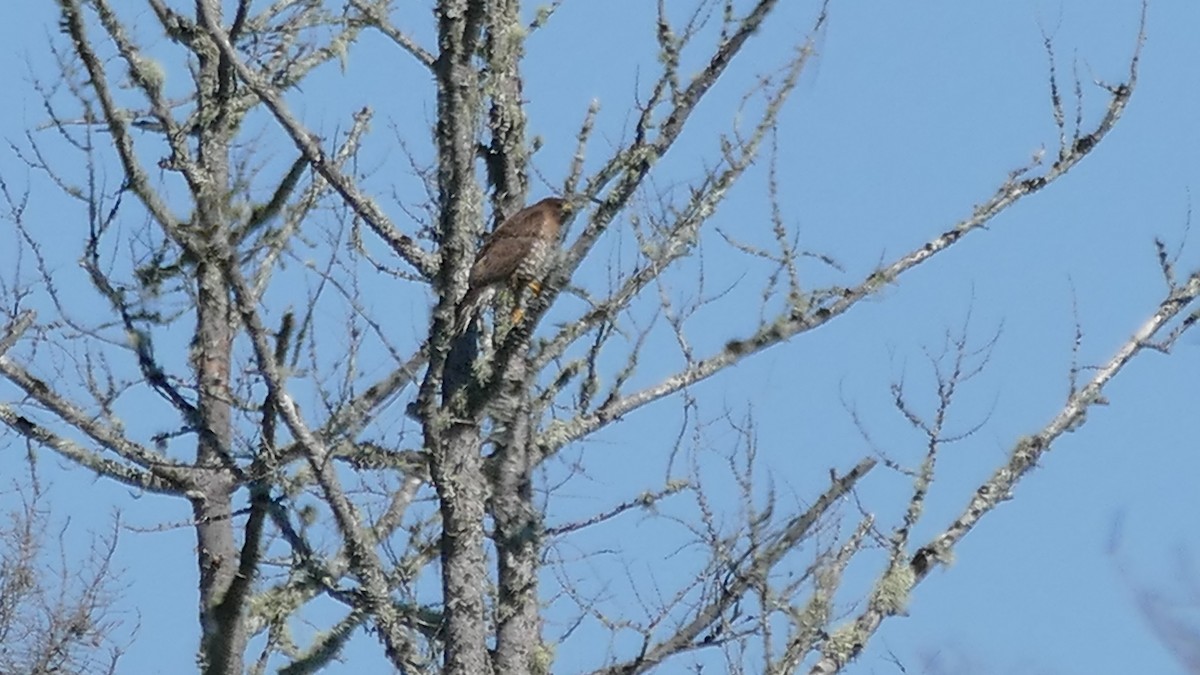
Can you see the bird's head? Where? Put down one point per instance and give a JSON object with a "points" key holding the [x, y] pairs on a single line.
{"points": [[571, 204], [559, 205]]}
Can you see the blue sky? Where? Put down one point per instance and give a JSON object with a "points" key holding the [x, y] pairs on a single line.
{"points": [[911, 114]]}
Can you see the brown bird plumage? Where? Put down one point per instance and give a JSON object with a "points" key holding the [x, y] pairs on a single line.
{"points": [[518, 253]]}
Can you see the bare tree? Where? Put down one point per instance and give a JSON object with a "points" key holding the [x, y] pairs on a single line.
{"points": [[55, 615], [238, 276]]}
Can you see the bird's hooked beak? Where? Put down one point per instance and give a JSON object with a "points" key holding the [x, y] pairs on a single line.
{"points": [[577, 202]]}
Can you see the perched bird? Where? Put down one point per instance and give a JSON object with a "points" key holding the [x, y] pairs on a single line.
{"points": [[518, 253]]}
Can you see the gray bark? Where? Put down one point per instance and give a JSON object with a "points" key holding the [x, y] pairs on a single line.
{"points": [[456, 466], [222, 611], [485, 402]]}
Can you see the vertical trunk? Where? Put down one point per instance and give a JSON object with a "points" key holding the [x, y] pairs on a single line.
{"points": [[507, 157], [455, 461], [518, 531], [223, 640], [517, 522], [461, 493], [222, 612]]}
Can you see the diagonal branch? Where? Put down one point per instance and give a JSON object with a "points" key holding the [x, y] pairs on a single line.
{"points": [[162, 477], [135, 175], [68, 412], [159, 479], [744, 575], [796, 320], [15, 330], [679, 242], [376, 14], [810, 622], [366, 208], [633, 162], [848, 641], [364, 561]]}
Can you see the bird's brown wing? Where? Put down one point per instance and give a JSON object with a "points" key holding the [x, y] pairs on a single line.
{"points": [[504, 250]]}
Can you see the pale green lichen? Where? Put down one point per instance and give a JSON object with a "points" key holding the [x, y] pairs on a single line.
{"points": [[150, 72], [339, 48], [273, 608], [542, 659], [542, 15], [891, 595], [875, 281], [843, 642], [516, 35], [815, 612], [941, 553], [325, 647], [589, 389]]}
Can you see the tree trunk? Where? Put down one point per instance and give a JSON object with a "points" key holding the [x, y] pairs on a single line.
{"points": [[454, 447], [518, 548], [222, 612], [223, 639]]}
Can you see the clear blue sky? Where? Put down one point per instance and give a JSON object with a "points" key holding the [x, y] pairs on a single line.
{"points": [[911, 114]]}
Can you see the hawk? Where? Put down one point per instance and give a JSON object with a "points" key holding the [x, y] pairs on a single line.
{"points": [[518, 253]]}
